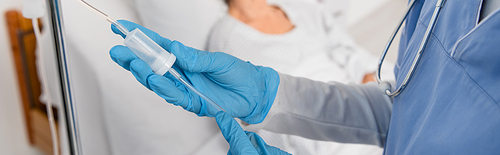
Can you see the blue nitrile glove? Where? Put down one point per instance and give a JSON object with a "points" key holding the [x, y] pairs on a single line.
{"points": [[243, 142], [242, 89]]}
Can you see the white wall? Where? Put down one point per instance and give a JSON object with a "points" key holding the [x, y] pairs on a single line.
{"points": [[13, 137], [358, 9], [371, 23]]}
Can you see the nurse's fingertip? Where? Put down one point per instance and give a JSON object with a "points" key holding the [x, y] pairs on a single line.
{"points": [[115, 50], [117, 54], [138, 65]]}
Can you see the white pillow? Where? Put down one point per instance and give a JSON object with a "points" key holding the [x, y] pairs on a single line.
{"points": [[188, 21]]}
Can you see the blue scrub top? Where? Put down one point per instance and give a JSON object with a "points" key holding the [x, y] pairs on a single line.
{"points": [[451, 104]]}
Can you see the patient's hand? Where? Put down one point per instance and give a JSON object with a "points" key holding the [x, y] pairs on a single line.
{"points": [[369, 78]]}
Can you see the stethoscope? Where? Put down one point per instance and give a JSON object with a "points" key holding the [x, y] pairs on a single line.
{"points": [[384, 85]]}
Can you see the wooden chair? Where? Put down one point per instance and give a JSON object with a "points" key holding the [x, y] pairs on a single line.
{"points": [[23, 45]]}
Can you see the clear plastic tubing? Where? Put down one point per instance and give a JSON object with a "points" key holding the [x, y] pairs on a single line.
{"points": [[156, 57]]}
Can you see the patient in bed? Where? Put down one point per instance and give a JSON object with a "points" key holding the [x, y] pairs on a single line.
{"points": [[298, 38], [293, 37]]}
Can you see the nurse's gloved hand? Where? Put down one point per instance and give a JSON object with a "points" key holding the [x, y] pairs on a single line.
{"points": [[242, 89], [241, 141]]}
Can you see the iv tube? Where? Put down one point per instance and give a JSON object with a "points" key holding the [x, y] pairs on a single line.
{"points": [[105, 16]]}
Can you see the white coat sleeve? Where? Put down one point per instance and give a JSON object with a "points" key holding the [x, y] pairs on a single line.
{"points": [[329, 111]]}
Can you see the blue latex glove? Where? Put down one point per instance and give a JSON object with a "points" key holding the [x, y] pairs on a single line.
{"points": [[242, 89], [243, 142]]}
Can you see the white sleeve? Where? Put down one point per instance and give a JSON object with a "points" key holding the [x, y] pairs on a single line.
{"points": [[329, 111]]}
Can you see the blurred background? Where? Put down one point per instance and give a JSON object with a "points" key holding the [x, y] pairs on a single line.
{"points": [[23, 130]]}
